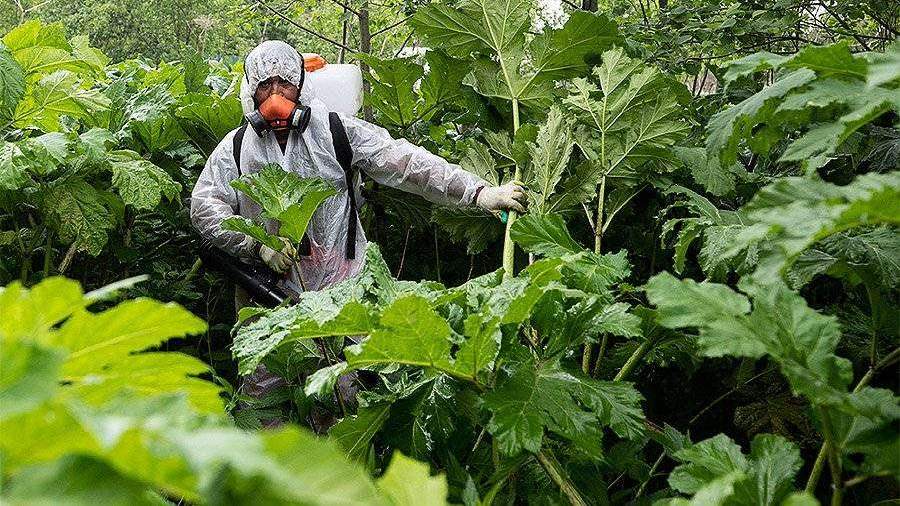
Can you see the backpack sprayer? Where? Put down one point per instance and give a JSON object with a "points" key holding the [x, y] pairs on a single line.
{"points": [[339, 88]]}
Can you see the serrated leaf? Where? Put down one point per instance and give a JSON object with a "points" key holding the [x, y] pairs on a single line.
{"points": [[716, 470], [630, 118], [549, 158], [472, 226], [542, 396], [207, 118], [142, 184], [42, 49], [29, 375], [78, 481], [727, 127], [780, 325], [883, 68], [481, 346], [544, 235], [12, 84], [409, 332], [286, 197], [392, 88], [60, 93], [496, 31], [252, 229], [76, 210], [354, 433], [409, 483]]}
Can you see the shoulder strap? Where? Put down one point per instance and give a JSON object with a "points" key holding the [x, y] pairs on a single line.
{"points": [[236, 143], [344, 154]]}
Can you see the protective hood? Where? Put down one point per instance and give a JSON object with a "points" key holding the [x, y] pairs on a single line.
{"points": [[269, 59]]}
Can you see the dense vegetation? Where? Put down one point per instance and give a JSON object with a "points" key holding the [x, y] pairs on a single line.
{"points": [[699, 307]]}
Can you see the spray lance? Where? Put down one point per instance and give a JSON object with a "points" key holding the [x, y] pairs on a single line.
{"points": [[259, 281]]}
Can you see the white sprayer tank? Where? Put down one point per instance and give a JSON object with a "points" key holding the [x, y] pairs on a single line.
{"points": [[338, 85]]}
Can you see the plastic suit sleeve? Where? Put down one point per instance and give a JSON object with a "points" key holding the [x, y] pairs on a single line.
{"points": [[213, 200], [405, 166]]}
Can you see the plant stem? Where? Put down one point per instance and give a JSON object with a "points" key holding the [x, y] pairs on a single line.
{"points": [[875, 304], [603, 343], [816, 472], [833, 457], [48, 253], [598, 239], [653, 468], [558, 475], [509, 249], [633, 360], [598, 224]]}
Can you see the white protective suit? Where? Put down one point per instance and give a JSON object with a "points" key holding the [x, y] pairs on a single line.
{"points": [[392, 162]]}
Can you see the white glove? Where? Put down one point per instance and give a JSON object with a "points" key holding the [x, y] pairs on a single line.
{"points": [[499, 198], [278, 261]]}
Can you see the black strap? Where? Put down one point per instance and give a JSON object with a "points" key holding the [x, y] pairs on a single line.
{"points": [[236, 143], [344, 155]]}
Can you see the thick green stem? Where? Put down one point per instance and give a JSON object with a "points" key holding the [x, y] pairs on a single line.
{"points": [[558, 475], [509, 249], [48, 253], [598, 224], [875, 305], [633, 360], [598, 239], [816, 472], [604, 342], [586, 358], [833, 457]]}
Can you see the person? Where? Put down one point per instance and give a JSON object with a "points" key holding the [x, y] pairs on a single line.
{"points": [[273, 76]]}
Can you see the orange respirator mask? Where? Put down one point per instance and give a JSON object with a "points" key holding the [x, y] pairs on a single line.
{"points": [[278, 113]]}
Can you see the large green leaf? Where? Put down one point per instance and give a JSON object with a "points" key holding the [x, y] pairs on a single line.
{"points": [[354, 433], [42, 49], [630, 118], [549, 159], [825, 93], [12, 84], [544, 234], [409, 332], [57, 94], [833, 60], [393, 94], [139, 182], [72, 446], [286, 197], [707, 171], [78, 481], [791, 214], [207, 118], [726, 128], [28, 376], [409, 483], [765, 477], [496, 31], [253, 229], [780, 324], [541, 396], [77, 211]]}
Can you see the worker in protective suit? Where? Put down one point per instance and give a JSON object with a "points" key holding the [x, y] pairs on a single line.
{"points": [[293, 129]]}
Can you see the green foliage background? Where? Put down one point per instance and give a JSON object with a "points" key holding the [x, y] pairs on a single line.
{"points": [[750, 148]]}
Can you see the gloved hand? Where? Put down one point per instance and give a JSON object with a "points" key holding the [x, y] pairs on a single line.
{"points": [[278, 261], [503, 197]]}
